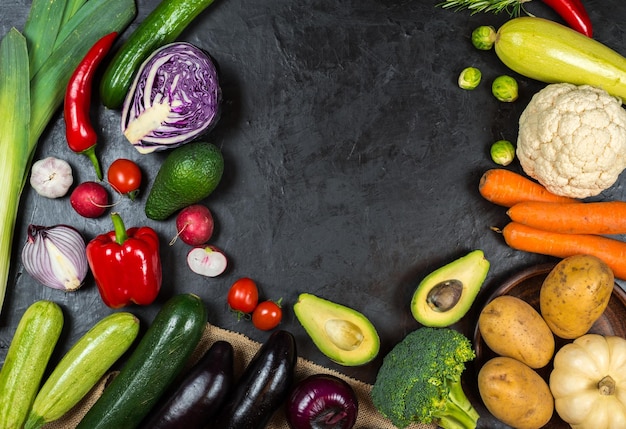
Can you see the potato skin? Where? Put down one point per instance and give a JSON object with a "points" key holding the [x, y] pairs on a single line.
{"points": [[515, 394], [511, 327], [575, 294]]}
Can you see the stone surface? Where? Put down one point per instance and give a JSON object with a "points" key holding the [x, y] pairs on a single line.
{"points": [[352, 162]]}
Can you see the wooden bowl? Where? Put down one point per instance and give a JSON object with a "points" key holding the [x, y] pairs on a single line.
{"points": [[527, 285]]}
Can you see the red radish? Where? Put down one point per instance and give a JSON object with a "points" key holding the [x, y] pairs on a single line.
{"points": [[194, 224], [90, 199], [207, 261]]}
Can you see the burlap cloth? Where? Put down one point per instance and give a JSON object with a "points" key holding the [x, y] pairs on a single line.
{"points": [[245, 348]]}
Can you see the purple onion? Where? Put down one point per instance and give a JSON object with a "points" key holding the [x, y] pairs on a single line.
{"points": [[322, 401], [55, 256], [174, 99]]}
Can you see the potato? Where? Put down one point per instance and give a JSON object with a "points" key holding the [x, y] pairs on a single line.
{"points": [[511, 327], [575, 294], [515, 394]]}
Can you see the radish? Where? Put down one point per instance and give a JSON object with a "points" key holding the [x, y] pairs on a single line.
{"points": [[207, 261], [90, 199], [194, 224]]}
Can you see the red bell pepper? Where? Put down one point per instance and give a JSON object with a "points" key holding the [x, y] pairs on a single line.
{"points": [[80, 135], [126, 264]]}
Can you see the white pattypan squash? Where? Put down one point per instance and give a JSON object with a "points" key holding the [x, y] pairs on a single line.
{"points": [[588, 382]]}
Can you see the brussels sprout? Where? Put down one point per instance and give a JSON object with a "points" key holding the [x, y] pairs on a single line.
{"points": [[505, 88], [484, 37], [502, 152], [469, 78]]}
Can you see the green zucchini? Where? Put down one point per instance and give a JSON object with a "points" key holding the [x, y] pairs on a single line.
{"points": [[29, 353], [550, 52], [82, 367], [158, 359], [163, 25]]}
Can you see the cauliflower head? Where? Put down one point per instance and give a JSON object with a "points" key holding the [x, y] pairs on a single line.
{"points": [[572, 139]]}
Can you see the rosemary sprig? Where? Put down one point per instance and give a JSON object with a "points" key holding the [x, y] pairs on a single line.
{"points": [[512, 7]]}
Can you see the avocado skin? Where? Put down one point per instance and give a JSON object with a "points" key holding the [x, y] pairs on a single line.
{"points": [[189, 174], [314, 312], [470, 270]]}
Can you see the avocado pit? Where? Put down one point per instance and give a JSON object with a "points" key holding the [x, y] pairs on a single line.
{"points": [[445, 295]]}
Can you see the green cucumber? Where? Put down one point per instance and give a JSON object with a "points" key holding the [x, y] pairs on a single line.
{"points": [[158, 359], [163, 25], [550, 52], [82, 367], [29, 353]]}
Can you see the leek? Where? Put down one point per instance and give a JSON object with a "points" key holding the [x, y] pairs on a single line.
{"points": [[28, 104], [14, 123]]}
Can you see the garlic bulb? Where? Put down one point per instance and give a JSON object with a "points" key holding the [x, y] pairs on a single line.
{"points": [[51, 177], [56, 256]]}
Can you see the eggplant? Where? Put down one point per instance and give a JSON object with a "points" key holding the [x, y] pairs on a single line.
{"points": [[201, 393], [263, 386]]}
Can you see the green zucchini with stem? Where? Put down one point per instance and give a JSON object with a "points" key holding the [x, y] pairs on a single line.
{"points": [[160, 357], [82, 367], [163, 25], [550, 52], [32, 345]]}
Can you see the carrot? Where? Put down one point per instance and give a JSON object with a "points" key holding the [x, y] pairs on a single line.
{"points": [[506, 188], [606, 217], [528, 239]]}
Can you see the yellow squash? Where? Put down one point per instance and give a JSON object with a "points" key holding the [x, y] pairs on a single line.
{"points": [[550, 52]]}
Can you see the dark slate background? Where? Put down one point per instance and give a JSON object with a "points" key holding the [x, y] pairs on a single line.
{"points": [[352, 162]]}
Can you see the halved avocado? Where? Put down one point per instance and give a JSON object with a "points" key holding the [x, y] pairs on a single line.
{"points": [[446, 294], [344, 335]]}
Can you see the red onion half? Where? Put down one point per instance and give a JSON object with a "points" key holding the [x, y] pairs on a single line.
{"points": [[55, 256], [322, 401]]}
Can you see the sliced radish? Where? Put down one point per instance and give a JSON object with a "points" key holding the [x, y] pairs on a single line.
{"points": [[207, 261]]}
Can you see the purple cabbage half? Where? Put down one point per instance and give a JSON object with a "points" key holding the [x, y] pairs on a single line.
{"points": [[175, 98]]}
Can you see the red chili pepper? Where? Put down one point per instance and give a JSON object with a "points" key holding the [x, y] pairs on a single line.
{"points": [[126, 264], [80, 135], [573, 13]]}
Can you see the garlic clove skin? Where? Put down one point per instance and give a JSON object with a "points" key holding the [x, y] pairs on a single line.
{"points": [[55, 256], [51, 177]]}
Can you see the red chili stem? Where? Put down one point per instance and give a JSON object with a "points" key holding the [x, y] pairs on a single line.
{"points": [[573, 13], [80, 134]]}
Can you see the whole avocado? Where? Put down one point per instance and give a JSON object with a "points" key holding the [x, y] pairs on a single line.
{"points": [[189, 174]]}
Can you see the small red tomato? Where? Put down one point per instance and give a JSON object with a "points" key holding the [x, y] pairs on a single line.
{"points": [[124, 176], [267, 315], [243, 295]]}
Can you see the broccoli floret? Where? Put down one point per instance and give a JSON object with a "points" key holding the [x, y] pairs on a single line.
{"points": [[420, 380]]}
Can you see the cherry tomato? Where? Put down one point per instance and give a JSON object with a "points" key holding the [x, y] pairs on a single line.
{"points": [[267, 315], [243, 295], [125, 176]]}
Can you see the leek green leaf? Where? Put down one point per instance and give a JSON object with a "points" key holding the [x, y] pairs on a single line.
{"points": [[71, 7], [41, 29], [48, 85]]}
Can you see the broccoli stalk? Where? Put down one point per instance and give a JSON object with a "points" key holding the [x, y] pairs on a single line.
{"points": [[420, 380], [458, 412]]}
